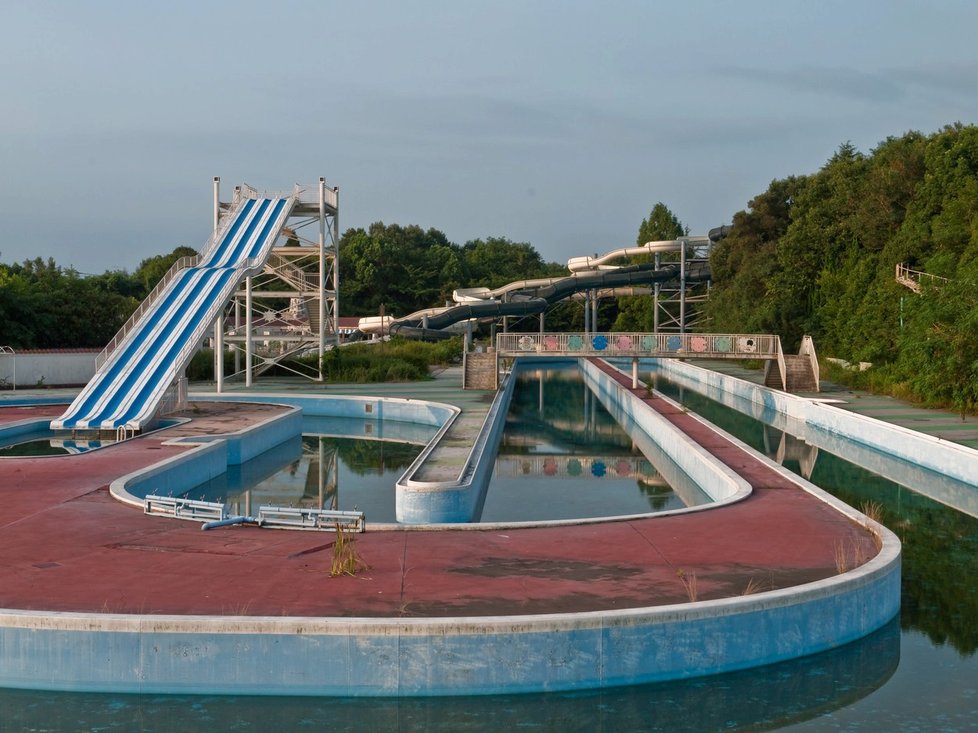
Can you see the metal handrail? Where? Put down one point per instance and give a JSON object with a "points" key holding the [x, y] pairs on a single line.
{"points": [[912, 278], [178, 266], [287, 271], [808, 349], [183, 263]]}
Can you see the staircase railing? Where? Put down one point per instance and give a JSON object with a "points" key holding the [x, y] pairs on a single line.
{"points": [[913, 278], [782, 367], [181, 264], [808, 349], [287, 271]]}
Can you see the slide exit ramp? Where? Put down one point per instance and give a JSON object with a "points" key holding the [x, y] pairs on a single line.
{"points": [[130, 384]]}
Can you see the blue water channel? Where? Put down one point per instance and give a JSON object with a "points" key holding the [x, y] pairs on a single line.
{"points": [[919, 673], [561, 456]]}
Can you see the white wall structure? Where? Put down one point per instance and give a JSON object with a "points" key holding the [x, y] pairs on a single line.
{"points": [[46, 368]]}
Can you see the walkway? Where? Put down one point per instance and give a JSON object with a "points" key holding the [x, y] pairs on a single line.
{"points": [[65, 545]]}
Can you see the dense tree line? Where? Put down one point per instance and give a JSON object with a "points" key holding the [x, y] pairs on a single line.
{"points": [[44, 306], [406, 268], [403, 269], [817, 255]]}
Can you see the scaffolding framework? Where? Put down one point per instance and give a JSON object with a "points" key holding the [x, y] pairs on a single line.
{"points": [[677, 308], [291, 307]]}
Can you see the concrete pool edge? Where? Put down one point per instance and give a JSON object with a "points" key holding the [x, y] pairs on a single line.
{"points": [[451, 655], [935, 454], [446, 656]]}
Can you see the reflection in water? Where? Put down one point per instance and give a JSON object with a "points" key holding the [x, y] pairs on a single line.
{"points": [[760, 699], [316, 471], [562, 455], [933, 687], [940, 545]]}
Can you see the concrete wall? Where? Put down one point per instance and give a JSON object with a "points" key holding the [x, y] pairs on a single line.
{"points": [[712, 476], [943, 457], [213, 454], [454, 656], [47, 368], [461, 499]]}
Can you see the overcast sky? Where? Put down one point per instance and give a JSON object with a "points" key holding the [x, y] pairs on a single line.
{"points": [[556, 123]]}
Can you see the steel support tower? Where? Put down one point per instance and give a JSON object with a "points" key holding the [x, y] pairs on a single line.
{"points": [[292, 307]]}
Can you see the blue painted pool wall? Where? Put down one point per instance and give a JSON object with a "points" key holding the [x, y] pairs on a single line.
{"points": [[9, 433], [943, 457], [459, 500], [718, 481], [400, 657], [376, 408], [211, 458]]}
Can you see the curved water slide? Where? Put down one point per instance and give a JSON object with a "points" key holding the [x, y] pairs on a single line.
{"points": [[584, 264], [128, 388], [534, 299], [529, 297]]}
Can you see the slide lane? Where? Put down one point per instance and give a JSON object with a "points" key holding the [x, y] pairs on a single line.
{"points": [[129, 387]]}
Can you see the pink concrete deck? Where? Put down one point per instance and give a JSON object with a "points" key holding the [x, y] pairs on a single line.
{"points": [[66, 545]]}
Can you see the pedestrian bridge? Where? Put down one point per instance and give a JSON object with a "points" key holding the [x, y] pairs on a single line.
{"points": [[792, 373], [681, 345]]}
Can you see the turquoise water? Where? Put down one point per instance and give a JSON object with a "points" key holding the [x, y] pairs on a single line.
{"points": [[919, 673]]}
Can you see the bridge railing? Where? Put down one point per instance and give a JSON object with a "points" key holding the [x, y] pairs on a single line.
{"points": [[675, 345]]}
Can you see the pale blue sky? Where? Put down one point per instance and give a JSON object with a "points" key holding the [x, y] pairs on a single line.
{"points": [[557, 123]]}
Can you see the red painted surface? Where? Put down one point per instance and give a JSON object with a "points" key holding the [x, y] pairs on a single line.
{"points": [[66, 545]]}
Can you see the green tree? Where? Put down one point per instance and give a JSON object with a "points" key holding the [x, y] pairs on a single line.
{"points": [[637, 312], [743, 263], [496, 261], [152, 269], [402, 268], [660, 224]]}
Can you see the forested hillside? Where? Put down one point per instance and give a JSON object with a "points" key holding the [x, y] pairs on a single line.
{"points": [[813, 254], [45, 306], [817, 254]]}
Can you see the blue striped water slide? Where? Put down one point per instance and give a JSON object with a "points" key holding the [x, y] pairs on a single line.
{"points": [[252, 241], [258, 237], [227, 252], [139, 401], [133, 371], [96, 392], [97, 389], [137, 375]]}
